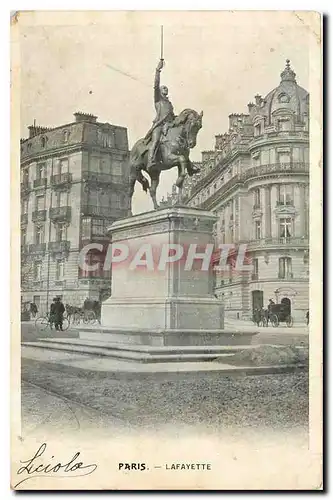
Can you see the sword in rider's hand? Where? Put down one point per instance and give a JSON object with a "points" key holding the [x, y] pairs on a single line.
{"points": [[162, 43]]}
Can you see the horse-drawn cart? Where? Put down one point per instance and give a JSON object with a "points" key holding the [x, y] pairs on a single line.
{"points": [[280, 313]]}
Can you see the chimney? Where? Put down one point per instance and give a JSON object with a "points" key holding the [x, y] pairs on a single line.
{"points": [[84, 117], [258, 99]]}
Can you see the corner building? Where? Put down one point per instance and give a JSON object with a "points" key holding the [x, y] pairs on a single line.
{"points": [[74, 181], [257, 182]]}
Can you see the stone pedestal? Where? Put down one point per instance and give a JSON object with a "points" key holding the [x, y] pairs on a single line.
{"points": [[156, 296], [161, 312]]}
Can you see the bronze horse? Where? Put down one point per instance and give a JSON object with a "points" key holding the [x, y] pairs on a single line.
{"points": [[174, 150]]}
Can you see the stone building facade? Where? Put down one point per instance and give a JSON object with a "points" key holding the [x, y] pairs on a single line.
{"points": [[256, 180], [73, 186]]}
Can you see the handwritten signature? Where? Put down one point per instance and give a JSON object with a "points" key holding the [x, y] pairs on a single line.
{"points": [[35, 467]]}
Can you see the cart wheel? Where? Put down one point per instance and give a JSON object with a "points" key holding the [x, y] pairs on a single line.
{"points": [[65, 324], [275, 320], [41, 323], [76, 319], [89, 317], [290, 322]]}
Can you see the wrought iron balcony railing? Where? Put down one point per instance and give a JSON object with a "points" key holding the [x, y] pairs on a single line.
{"points": [[109, 211], [37, 248], [280, 203], [102, 178], [24, 249], [59, 246], [42, 182], [61, 179], [275, 168], [38, 215], [60, 213], [285, 276], [274, 242]]}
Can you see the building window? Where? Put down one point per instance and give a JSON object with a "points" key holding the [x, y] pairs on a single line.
{"points": [[60, 270], [66, 135], [86, 228], [40, 171], [23, 236], [257, 197], [255, 266], [25, 176], [37, 271], [43, 141], [98, 227], [24, 206], [257, 130], [284, 158], [283, 98], [230, 273], [61, 166], [61, 232], [257, 229], [40, 203], [285, 269], [285, 228], [285, 195], [284, 125], [39, 235]]}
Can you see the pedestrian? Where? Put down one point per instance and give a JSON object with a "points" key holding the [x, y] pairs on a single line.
{"points": [[52, 313], [59, 310], [33, 309]]}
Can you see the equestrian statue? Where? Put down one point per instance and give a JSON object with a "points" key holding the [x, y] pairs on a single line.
{"points": [[166, 145]]}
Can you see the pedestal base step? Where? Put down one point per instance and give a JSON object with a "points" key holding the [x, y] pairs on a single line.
{"points": [[167, 337], [139, 353]]}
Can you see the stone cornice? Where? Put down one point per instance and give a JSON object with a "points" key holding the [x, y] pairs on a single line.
{"points": [[67, 150]]}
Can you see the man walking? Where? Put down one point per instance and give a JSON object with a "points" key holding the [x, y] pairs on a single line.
{"points": [[59, 310]]}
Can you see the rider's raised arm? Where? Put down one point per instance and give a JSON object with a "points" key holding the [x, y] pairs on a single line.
{"points": [[157, 93]]}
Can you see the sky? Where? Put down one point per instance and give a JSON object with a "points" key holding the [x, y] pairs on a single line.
{"points": [[214, 61]]}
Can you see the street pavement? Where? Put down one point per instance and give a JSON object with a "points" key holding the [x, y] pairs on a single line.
{"points": [[281, 335]]}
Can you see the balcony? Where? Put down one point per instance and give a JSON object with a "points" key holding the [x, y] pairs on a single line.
{"points": [[59, 246], [275, 168], [277, 243], [25, 187], [61, 180], [61, 213], [109, 212], [24, 249], [38, 216], [40, 183], [37, 248], [24, 218], [99, 178], [288, 203], [61, 283], [285, 276]]}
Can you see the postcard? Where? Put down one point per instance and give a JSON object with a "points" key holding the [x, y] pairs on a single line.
{"points": [[166, 194]]}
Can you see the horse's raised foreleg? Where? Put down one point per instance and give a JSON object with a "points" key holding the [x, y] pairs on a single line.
{"points": [[181, 171]]}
